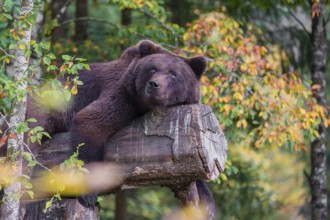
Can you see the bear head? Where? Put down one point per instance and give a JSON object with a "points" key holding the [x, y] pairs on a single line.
{"points": [[160, 79]]}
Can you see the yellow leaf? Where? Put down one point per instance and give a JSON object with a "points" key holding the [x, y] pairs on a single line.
{"points": [[223, 177], [211, 64], [74, 90], [7, 60], [236, 25], [244, 67], [244, 123], [302, 111], [185, 36], [22, 46]]}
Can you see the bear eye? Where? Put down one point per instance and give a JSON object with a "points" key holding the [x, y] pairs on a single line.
{"points": [[153, 70], [172, 74]]}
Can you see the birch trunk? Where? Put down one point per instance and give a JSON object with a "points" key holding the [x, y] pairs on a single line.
{"points": [[11, 207], [318, 147], [36, 35]]}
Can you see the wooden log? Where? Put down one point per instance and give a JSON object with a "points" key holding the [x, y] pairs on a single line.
{"points": [[171, 148]]}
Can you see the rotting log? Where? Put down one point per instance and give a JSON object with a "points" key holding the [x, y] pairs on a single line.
{"points": [[172, 148]]}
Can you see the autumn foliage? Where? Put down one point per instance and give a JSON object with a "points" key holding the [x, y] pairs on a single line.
{"points": [[245, 85]]}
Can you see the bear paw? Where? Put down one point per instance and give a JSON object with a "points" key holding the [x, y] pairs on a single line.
{"points": [[88, 201]]}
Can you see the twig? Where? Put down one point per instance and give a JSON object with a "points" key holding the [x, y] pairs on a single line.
{"points": [[35, 159], [3, 50]]}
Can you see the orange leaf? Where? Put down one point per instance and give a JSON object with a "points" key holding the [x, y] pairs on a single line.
{"points": [[12, 136], [316, 86], [67, 84], [3, 140], [63, 67]]}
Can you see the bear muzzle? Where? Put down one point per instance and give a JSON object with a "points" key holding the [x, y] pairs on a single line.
{"points": [[153, 85]]}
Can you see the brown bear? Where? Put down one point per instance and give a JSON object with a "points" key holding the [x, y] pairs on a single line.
{"points": [[146, 77]]}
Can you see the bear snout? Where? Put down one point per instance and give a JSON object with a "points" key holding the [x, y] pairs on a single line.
{"points": [[154, 85]]}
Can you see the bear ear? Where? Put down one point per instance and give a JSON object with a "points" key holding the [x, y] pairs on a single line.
{"points": [[147, 47], [198, 65]]}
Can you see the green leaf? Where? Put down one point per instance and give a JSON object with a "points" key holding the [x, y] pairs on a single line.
{"points": [[51, 56], [27, 156], [80, 66], [38, 128], [45, 45], [67, 95], [83, 169], [37, 49], [48, 204], [80, 59], [30, 193], [46, 60], [32, 163], [33, 139], [7, 16], [33, 120], [22, 127], [12, 46], [66, 57], [47, 135], [87, 67]]}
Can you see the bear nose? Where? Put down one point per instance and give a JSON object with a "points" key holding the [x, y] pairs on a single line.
{"points": [[154, 84]]}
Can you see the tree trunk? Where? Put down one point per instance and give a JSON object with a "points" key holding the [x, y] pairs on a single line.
{"points": [[59, 8], [318, 147], [121, 206], [36, 33], [11, 206], [81, 25], [126, 16], [121, 197]]}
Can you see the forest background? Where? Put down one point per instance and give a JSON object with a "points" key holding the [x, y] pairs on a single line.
{"points": [[259, 82]]}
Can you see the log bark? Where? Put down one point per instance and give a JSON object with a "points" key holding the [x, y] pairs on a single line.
{"points": [[172, 148]]}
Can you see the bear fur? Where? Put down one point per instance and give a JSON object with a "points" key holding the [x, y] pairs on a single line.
{"points": [[146, 77]]}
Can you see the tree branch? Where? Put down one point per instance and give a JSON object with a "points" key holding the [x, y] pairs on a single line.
{"points": [[161, 23], [63, 9], [90, 19]]}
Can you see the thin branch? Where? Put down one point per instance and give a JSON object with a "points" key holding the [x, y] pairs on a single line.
{"points": [[3, 50], [299, 22], [35, 159], [4, 120], [161, 23], [90, 19]]}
